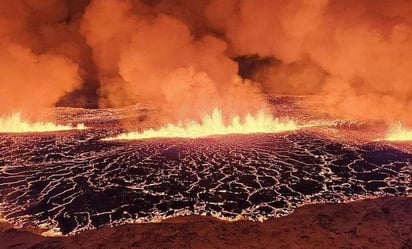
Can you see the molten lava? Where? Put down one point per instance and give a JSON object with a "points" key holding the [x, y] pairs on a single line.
{"points": [[15, 124], [399, 133], [214, 125]]}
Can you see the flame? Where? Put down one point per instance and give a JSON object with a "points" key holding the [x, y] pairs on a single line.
{"points": [[15, 124], [399, 133], [214, 125]]}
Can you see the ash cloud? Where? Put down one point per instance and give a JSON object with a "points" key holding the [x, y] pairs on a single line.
{"points": [[40, 56], [145, 57], [188, 57], [355, 54]]}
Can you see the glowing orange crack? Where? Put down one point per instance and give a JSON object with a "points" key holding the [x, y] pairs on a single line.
{"points": [[214, 125], [15, 124]]}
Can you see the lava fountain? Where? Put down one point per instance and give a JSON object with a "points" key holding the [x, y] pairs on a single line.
{"points": [[399, 133], [15, 124], [214, 124]]}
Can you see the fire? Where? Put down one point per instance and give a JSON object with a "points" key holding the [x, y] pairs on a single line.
{"points": [[399, 133], [214, 125], [15, 124]]}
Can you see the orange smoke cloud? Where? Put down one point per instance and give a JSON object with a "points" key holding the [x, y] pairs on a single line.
{"points": [[156, 58], [355, 53], [32, 76], [30, 82], [184, 55]]}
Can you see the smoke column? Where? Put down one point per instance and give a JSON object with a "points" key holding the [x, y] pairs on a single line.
{"points": [[183, 56], [355, 54], [33, 74], [157, 58]]}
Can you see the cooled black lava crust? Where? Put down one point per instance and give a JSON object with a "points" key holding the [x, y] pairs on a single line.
{"points": [[74, 181]]}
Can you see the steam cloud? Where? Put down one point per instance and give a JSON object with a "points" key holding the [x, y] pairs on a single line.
{"points": [[35, 69], [155, 57], [357, 54], [184, 55]]}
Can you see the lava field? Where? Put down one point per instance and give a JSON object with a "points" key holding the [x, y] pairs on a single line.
{"points": [[72, 181]]}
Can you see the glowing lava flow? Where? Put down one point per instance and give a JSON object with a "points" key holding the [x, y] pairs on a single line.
{"points": [[14, 124], [214, 125], [399, 133]]}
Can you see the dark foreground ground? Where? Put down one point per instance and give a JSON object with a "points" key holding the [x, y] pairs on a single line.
{"points": [[375, 223]]}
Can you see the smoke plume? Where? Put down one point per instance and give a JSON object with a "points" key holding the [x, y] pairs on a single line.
{"points": [[157, 58], [35, 67], [188, 57], [355, 54]]}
